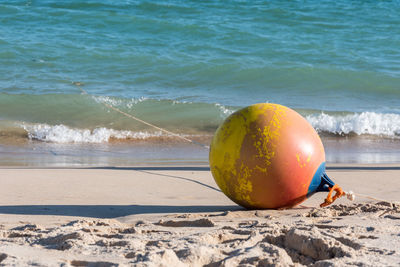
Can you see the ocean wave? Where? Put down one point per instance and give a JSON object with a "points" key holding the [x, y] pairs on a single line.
{"points": [[118, 102], [64, 134], [368, 123], [89, 112], [224, 111]]}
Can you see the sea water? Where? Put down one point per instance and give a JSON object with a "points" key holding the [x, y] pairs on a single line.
{"points": [[187, 65]]}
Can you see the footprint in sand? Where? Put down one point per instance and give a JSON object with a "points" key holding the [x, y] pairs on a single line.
{"points": [[309, 246], [3, 256], [59, 242], [107, 243], [27, 227], [129, 230]]}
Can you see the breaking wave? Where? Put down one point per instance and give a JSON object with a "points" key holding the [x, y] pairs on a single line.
{"points": [[368, 123], [64, 134]]}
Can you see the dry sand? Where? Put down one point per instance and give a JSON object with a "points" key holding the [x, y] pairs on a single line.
{"points": [[176, 216]]}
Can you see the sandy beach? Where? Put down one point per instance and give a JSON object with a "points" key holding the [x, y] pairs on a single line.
{"points": [[176, 216], [113, 112]]}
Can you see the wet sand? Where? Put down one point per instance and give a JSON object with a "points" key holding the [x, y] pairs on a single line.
{"points": [[171, 152]]}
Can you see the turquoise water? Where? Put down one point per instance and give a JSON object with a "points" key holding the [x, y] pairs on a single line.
{"points": [[187, 65]]}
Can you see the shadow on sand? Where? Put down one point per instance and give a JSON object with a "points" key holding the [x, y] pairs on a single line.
{"points": [[108, 211]]}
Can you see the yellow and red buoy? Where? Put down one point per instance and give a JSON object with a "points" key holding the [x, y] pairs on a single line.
{"points": [[269, 156]]}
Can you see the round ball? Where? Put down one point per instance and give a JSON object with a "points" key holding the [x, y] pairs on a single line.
{"points": [[265, 156]]}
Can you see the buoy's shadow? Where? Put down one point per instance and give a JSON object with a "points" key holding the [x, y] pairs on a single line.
{"points": [[109, 211]]}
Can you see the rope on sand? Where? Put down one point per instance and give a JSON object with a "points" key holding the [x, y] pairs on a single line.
{"points": [[79, 85]]}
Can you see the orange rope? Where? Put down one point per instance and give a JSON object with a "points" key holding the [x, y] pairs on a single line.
{"points": [[330, 199]]}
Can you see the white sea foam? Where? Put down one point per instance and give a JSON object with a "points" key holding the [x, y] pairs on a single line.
{"points": [[116, 102], [359, 123], [224, 111], [177, 102], [65, 134]]}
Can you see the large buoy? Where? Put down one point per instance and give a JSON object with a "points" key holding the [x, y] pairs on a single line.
{"points": [[269, 156]]}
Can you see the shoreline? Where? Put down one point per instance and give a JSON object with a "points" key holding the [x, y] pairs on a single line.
{"points": [[339, 150]]}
